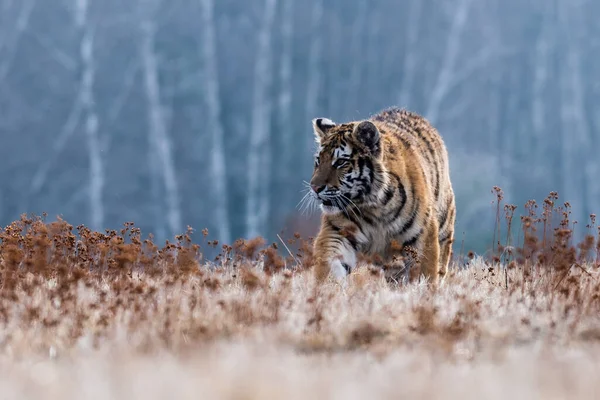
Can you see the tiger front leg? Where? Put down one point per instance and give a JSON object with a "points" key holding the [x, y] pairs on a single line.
{"points": [[334, 254], [418, 259], [430, 255]]}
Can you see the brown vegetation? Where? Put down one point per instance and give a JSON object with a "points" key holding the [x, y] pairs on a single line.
{"points": [[69, 294]]}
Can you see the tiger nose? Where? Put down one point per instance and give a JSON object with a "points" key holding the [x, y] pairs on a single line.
{"points": [[317, 188]]}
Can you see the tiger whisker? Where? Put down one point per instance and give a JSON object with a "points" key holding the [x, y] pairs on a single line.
{"points": [[354, 204], [302, 200], [337, 202], [344, 206], [314, 204], [347, 201], [308, 209], [307, 204]]}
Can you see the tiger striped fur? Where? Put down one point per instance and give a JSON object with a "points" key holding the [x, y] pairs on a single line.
{"points": [[382, 182]]}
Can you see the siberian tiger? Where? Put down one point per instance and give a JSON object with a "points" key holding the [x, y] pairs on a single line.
{"points": [[381, 183]]}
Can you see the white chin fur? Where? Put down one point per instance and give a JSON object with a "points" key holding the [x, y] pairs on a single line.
{"points": [[329, 210]]}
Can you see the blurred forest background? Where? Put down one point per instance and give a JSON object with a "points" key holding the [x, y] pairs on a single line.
{"points": [[180, 112]]}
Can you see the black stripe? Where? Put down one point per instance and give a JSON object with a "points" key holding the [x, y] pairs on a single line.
{"points": [[413, 240], [451, 216], [361, 165], [402, 194], [444, 217], [352, 242], [350, 172], [402, 140], [436, 190], [352, 218], [423, 138], [350, 238], [445, 237], [432, 159], [388, 194], [445, 213], [399, 209], [371, 169], [411, 220], [337, 240], [403, 197], [366, 218], [335, 228]]}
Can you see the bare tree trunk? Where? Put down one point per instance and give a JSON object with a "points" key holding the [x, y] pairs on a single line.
{"points": [[538, 115], [10, 43], [314, 63], [575, 132], [372, 70], [507, 142], [96, 171], [358, 47], [215, 128], [445, 77], [592, 163], [493, 113], [156, 119], [284, 103], [336, 88], [68, 129], [411, 53], [156, 191], [259, 158]]}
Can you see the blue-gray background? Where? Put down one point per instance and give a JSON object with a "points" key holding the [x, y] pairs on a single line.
{"points": [[180, 112]]}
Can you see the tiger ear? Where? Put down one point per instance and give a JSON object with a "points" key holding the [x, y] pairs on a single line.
{"points": [[321, 126], [367, 133]]}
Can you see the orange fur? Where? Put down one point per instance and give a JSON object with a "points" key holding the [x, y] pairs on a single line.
{"points": [[382, 182]]}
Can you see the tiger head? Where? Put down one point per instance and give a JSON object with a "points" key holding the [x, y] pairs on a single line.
{"points": [[348, 168]]}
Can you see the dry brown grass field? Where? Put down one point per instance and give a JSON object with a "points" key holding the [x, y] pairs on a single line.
{"points": [[88, 315]]}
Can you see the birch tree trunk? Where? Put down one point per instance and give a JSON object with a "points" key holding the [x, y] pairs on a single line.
{"points": [[575, 130], [540, 80], [284, 102], [509, 142], [592, 163], [85, 30], [335, 87], [314, 82], [411, 53], [371, 79], [215, 128], [9, 42], [445, 77], [159, 137], [357, 63], [259, 158], [156, 191]]}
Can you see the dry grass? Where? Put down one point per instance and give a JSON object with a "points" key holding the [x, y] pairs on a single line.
{"points": [[93, 315]]}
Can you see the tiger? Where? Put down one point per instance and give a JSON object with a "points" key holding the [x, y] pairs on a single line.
{"points": [[383, 183]]}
